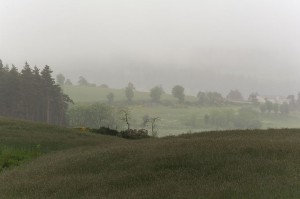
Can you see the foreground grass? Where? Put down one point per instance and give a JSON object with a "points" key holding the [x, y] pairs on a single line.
{"points": [[23, 134], [12, 156], [229, 164]]}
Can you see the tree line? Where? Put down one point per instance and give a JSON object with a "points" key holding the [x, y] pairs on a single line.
{"points": [[32, 94], [203, 98]]}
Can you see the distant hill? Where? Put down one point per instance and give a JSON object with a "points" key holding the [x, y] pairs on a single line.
{"points": [[98, 94], [194, 79], [228, 164]]}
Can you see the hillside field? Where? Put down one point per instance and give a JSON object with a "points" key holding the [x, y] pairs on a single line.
{"points": [[220, 164], [174, 118]]}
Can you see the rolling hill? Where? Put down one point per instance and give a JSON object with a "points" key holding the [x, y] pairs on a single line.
{"points": [[85, 94], [224, 164]]}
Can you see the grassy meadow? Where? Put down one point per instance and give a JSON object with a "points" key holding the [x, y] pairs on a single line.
{"points": [[174, 118], [220, 164]]}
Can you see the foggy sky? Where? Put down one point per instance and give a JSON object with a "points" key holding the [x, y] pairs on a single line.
{"points": [[258, 38]]}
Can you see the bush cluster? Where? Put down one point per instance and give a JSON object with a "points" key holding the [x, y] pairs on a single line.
{"points": [[128, 134], [105, 131], [134, 134]]}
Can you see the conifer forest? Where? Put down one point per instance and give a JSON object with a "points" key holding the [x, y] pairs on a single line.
{"points": [[32, 94]]}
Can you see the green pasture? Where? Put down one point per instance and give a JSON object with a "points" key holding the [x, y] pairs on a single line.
{"points": [[173, 121], [174, 118], [180, 120]]}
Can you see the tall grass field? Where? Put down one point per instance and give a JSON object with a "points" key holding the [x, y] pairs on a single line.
{"points": [[220, 164]]}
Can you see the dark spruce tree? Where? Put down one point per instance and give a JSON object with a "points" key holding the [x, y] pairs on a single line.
{"points": [[38, 95], [55, 102], [12, 92], [27, 93], [32, 95]]}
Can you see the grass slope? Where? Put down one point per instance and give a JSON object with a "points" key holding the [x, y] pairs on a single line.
{"points": [[229, 164]]}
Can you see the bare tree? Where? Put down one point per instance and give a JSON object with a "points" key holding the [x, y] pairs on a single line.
{"points": [[125, 117], [152, 121]]}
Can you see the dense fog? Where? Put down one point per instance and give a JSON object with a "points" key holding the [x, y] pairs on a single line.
{"points": [[249, 45]]}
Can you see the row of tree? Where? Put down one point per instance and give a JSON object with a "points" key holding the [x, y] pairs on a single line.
{"points": [[204, 98], [270, 107], [208, 98], [245, 118], [32, 94], [216, 99], [61, 80]]}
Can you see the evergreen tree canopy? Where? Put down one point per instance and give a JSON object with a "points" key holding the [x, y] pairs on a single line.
{"points": [[32, 95]]}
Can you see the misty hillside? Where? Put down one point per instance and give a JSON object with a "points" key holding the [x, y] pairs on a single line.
{"points": [[193, 79], [206, 93]]}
